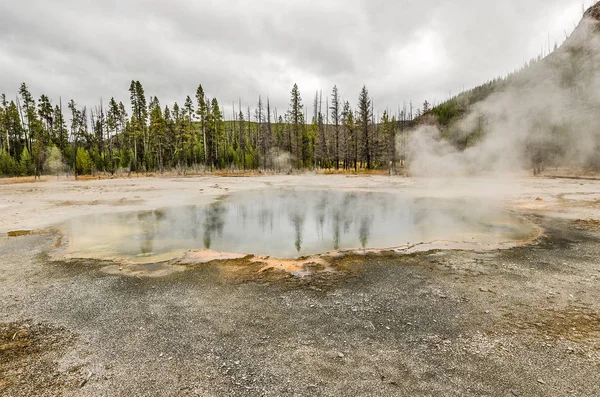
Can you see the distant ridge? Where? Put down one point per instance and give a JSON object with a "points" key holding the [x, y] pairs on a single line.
{"points": [[449, 112]]}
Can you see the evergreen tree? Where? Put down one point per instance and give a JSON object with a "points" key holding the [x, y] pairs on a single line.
{"points": [[26, 163], [364, 123], [8, 165], [426, 107], [46, 113], [352, 133], [201, 113], [28, 118], [296, 120], [60, 138], [157, 132], [189, 133], [336, 117], [139, 117]]}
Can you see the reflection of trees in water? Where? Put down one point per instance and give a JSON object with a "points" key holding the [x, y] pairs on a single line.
{"points": [[345, 210], [194, 218], [336, 229], [265, 217], [213, 222], [148, 221], [342, 220], [297, 219], [320, 212], [340, 211], [364, 230], [243, 213]]}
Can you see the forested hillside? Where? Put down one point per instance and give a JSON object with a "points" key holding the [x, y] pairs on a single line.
{"points": [[552, 102], [143, 135]]}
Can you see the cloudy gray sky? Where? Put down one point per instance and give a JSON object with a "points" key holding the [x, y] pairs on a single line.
{"points": [[401, 49]]}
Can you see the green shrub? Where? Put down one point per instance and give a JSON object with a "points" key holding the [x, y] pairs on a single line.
{"points": [[83, 162], [8, 165], [26, 164]]}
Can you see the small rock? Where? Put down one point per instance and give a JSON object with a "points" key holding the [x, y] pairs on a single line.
{"points": [[237, 362], [541, 382], [341, 355], [85, 381]]}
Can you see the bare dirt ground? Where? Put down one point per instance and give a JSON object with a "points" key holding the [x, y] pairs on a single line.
{"points": [[517, 322]]}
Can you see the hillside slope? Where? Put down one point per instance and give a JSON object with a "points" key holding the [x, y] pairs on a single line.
{"points": [[565, 61], [544, 115]]}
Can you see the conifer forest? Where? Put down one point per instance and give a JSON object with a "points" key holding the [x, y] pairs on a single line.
{"points": [[143, 135]]}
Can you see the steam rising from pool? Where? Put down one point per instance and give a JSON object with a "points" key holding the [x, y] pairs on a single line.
{"points": [[291, 224]]}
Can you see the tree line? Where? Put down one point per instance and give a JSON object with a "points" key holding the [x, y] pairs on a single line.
{"points": [[143, 136]]}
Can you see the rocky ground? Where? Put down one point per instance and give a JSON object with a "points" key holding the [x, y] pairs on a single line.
{"points": [[518, 322]]}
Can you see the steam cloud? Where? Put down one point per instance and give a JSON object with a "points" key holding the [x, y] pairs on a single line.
{"points": [[544, 116]]}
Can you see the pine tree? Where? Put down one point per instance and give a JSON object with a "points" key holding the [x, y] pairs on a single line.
{"points": [[179, 126], [26, 163], [75, 121], [336, 118], [352, 134], [389, 139], [426, 107], [60, 130], [189, 111], [29, 117], [201, 113], [268, 135], [157, 132], [170, 137], [217, 132], [139, 118], [364, 123], [46, 113], [242, 138], [296, 120]]}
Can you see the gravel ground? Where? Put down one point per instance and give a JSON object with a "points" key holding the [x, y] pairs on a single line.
{"points": [[517, 322]]}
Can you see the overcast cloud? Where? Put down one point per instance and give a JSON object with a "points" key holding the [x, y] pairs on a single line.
{"points": [[402, 50]]}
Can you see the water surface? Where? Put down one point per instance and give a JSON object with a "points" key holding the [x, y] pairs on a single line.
{"points": [[290, 224]]}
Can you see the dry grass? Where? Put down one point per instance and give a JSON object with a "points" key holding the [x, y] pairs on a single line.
{"points": [[25, 179], [191, 174]]}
